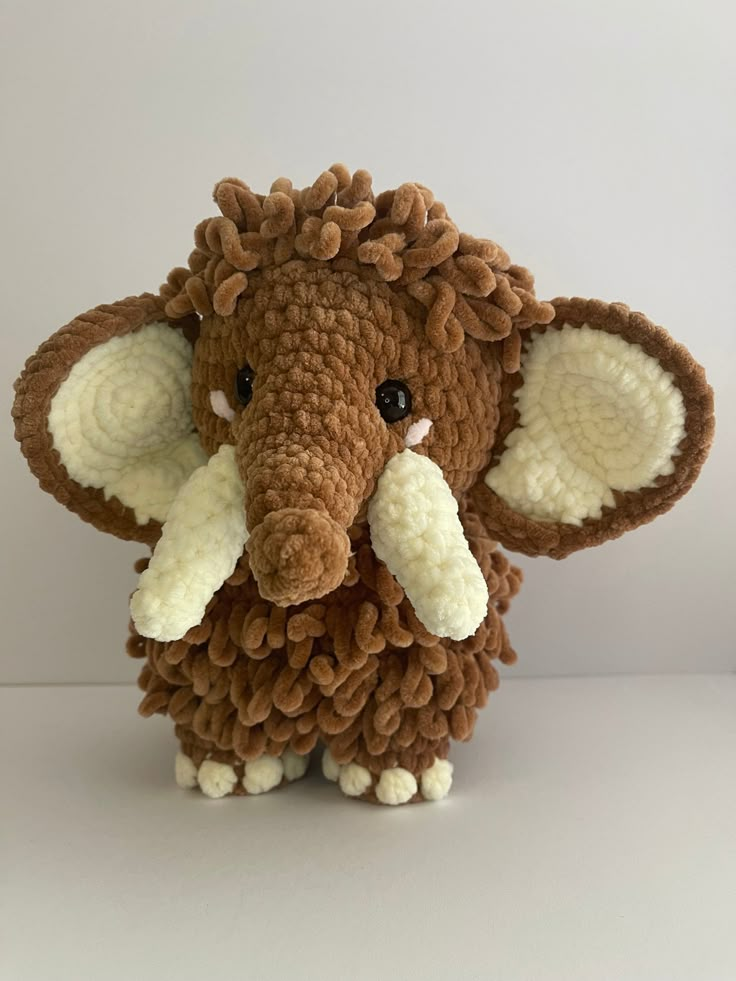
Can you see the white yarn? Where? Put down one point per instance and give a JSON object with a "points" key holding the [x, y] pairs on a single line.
{"points": [[396, 786], [596, 414], [199, 547], [416, 531], [354, 779], [295, 764], [185, 772], [122, 420], [263, 774], [216, 779], [437, 780], [330, 767]]}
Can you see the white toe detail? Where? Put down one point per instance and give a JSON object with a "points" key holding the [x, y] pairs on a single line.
{"points": [[437, 780], [396, 786], [185, 772], [295, 766], [263, 774], [329, 768], [354, 779], [216, 779]]}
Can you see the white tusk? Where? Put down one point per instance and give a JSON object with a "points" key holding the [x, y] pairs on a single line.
{"points": [[416, 531], [201, 542]]}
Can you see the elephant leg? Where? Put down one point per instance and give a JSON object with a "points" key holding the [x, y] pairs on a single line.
{"points": [[220, 773]]}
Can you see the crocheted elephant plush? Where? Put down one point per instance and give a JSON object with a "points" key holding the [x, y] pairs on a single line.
{"points": [[323, 427]]}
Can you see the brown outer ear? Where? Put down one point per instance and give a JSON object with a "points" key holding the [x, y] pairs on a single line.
{"points": [[39, 382], [556, 540]]}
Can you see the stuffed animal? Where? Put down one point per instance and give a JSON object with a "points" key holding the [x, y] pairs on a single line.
{"points": [[323, 426]]}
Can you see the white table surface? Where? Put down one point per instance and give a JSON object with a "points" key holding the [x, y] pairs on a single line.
{"points": [[591, 834]]}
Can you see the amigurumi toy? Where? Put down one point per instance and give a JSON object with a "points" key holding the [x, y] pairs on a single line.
{"points": [[323, 427]]}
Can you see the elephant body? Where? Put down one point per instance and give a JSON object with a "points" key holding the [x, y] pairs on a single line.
{"points": [[354, 670]]}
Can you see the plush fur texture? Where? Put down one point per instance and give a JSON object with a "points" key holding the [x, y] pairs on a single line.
{"points": [[330, 575]]}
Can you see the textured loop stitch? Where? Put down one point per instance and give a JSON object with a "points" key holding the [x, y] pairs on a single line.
{"points": [[404, 236]]}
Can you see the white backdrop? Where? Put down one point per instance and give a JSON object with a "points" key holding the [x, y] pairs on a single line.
{"points": [[595, 143]]}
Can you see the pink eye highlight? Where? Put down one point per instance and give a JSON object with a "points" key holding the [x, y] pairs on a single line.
{"points": [[220, 405]]}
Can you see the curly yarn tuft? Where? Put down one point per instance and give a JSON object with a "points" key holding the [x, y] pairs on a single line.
{"points": [[403, 237]]}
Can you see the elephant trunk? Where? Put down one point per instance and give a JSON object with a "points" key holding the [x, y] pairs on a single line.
{"points": [[298, 554], [299, 504]]}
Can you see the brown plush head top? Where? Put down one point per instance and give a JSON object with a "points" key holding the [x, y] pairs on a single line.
{"points": [[403, 237], [340, 357]]}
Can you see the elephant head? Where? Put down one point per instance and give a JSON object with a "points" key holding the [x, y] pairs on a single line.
{"points": [[330, 357]]}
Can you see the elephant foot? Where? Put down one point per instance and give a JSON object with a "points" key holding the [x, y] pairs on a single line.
{"points": [[391, 786], [216, 779]]}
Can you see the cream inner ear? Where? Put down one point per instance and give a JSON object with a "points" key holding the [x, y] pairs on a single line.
{"points": [[122, 420], [201, 542], [416, 531], [596, 414]]}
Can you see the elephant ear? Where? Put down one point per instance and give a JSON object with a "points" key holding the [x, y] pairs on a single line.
{"points": [[103, 415], [605, 425]]}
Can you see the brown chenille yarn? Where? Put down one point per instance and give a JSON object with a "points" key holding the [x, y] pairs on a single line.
{"points": [[310, 446], [403, 237], [356, 669], [633, 508], [317, 548], [318, 297]]}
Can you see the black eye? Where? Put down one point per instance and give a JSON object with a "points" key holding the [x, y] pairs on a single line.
{"points": [[393, 399], [244, 384]]}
